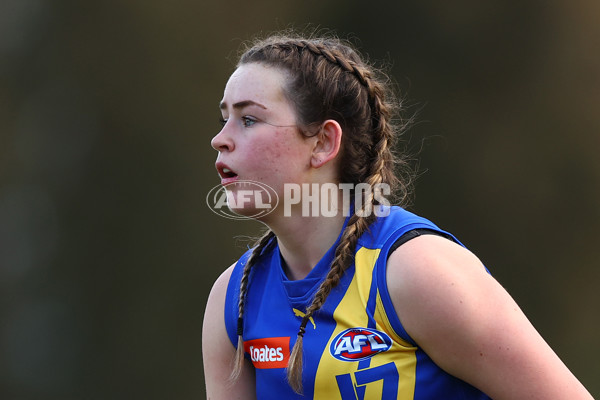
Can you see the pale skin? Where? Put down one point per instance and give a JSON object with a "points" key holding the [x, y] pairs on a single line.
{"points": [[457, 312]]}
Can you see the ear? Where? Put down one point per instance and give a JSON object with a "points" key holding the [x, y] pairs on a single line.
{"points": [[327, 145]]}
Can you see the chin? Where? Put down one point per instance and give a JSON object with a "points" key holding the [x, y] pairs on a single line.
{"points": [[252, 204]]}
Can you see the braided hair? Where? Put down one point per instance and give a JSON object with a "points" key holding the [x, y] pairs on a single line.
{"points": [[328, 79]]}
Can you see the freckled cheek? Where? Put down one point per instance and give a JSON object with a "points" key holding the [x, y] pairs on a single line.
{"points": [[261, 161], [278, 159], [291, 157]]}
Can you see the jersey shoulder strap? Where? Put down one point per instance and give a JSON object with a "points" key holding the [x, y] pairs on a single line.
{"points": [[414, 233]]}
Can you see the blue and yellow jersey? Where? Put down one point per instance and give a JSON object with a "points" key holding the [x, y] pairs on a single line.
{"points": [[355, 347]]}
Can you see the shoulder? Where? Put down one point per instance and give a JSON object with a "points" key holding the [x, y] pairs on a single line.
{"points": [[219, 295], [434, 283], [218, 351], [231, 276], [426, 261], [223, 279], [216, 298], [470, 326], [391, 223], [214, 327]]}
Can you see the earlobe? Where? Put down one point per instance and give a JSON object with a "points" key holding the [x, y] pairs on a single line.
{"points": [[328, 143]]}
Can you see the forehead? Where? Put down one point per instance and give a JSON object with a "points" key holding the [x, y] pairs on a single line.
{"points": [[255, 82]]}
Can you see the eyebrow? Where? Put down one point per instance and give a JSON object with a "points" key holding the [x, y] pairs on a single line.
{"points": [[241, 104]]}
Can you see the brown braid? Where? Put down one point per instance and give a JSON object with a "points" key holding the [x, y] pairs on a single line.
{"points": [[344, 257], [344, 254], [327, 79], [346, 65], [238, 362]]}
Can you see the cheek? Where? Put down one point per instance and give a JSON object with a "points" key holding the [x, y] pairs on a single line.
{"points": [[282, 159]]}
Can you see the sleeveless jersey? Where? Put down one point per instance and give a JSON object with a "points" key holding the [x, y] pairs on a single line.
{"points": [[355, 347]]}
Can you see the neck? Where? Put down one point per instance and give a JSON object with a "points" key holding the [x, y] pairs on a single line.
{"points": [[303, 241]]}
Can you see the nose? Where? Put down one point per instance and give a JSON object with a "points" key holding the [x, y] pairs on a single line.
{"points": [[222, 141]]}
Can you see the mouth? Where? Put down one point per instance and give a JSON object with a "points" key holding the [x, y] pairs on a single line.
{"points": [[225, 172]]}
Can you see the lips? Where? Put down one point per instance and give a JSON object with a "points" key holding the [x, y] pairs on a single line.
{"points": [[227, 174]]}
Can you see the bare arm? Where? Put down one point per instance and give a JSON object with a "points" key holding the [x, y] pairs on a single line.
{"points": [[218, 352], [470, 326]]}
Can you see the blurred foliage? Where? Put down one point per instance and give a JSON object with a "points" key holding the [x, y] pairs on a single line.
{"points": [[108, 250]]}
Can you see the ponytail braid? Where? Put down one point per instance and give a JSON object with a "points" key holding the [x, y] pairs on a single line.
{"points": [[327, 79], [344, 257], [238, 361]]}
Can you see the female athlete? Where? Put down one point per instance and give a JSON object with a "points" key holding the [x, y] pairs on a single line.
{"points": [[365, 300]]}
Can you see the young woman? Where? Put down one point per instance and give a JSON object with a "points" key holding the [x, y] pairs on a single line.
{"points": [[370, 301]]}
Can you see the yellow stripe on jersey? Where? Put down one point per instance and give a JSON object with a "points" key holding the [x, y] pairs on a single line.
{"points": [[351, 313], [402, 353]]}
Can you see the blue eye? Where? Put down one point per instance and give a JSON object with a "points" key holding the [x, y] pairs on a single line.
{"points": [[248, 121]]}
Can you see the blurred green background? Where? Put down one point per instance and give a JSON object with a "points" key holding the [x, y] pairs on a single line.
{"points": [[107, 247]]}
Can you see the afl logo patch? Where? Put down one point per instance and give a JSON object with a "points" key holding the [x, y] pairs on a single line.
{"points": [[357, 344]]}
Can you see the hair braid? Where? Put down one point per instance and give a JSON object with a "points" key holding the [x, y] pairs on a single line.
{"points": [[344, 256], [381, 113], [338, 59], [238, 361], [328, 79], [380, 157]]}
